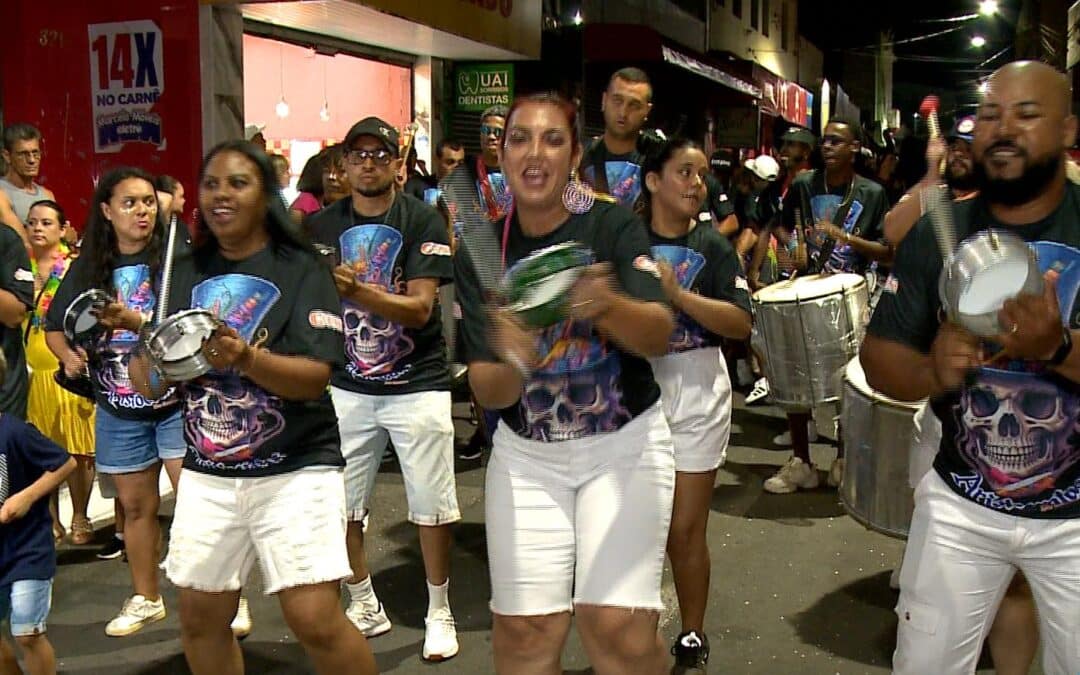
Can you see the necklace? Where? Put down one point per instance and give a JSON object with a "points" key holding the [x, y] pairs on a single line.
{"points": [[850, 190]]}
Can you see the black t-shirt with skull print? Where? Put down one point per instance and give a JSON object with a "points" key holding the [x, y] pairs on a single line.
{"points": [[1011, 438], [585, 384], [284, 299], [131, 285], [409, 241]]}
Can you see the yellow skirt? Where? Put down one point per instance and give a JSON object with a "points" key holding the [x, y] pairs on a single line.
{"points": [[66, 419]]}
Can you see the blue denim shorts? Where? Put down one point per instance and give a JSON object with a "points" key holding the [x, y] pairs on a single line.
{"points": [[25, 605], [126, 446]]}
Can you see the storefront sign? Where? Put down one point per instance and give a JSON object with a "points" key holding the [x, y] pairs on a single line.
{"points": [[736, 127], [483, 85], [127, 77]]}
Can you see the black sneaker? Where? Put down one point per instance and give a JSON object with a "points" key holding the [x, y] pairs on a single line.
{"points": [[475, 449], [112, 550], [691, 650]]}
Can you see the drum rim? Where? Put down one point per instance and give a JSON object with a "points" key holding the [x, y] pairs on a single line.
{"points": [[71, 314], [858, 283], [876, 397]]}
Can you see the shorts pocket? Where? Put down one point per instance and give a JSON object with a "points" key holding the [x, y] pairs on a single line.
{"points": [[918, 616]]}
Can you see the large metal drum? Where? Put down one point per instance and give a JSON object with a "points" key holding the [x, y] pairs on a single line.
{"points": [[877, 443], [809, 328]]}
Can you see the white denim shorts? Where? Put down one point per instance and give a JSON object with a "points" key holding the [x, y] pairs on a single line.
{"points": [[696, 396], [293, 523], [421, 427], [580, 522]]}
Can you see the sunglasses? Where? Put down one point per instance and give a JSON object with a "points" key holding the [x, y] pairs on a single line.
{"points": [[486, 130], [381, 157]]}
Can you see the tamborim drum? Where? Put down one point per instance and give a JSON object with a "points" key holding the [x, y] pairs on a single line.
{"points": [[810, 328], [987, 269], [175, 346], [79, 385], [877, 443], [538, 286], [81, 325]]}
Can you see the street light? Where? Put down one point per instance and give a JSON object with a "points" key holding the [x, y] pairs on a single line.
{"points": [[978, 41], [988, 7], [578, 19]]}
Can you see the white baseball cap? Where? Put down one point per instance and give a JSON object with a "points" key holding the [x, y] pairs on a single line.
{"points": [[251, 130], [764, 167]]}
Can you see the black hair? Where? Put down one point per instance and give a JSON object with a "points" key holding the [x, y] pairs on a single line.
{"points": [[856, 128], [495, 111], [100, 246], [447, 143], [20, 132], [278, 224], [632, 75], [311, 177], [166, 183], [61, 217], [654, 163]]}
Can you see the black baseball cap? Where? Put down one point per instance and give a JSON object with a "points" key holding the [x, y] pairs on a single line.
{"points": [[373, 126], [799, 135], [722, 159], [964, 129]]}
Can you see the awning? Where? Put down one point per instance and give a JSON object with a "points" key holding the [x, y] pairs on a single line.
{"points": [[688, 62]]}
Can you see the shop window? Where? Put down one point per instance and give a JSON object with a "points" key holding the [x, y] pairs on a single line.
{"points": [[765, 18], [736, 8], [755, 14], [784, 20]]}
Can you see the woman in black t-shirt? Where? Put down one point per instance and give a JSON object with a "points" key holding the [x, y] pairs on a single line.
{"points": [[702, 279], [579, 488], [262, 477]]}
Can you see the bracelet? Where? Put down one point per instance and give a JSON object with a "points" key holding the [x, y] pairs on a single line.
{"points": [[254, 351]]}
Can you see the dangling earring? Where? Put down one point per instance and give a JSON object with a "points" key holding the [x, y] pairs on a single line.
{"points": [[578, 197]]}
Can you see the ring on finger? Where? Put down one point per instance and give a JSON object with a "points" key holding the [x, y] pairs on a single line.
{"points": [[1015, 327]]}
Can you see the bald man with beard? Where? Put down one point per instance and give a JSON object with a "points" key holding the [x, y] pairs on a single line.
{"points": [[1004, 495]]}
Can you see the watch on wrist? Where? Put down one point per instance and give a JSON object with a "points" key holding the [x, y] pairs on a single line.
{"points": [[1063, 350]]}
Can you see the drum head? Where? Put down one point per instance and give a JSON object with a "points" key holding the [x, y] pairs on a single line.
{"points": [[185, 345], [988, 289], [80, 324], [806, 288]]}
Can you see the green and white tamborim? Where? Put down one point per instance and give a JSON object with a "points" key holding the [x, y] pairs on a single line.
{"points": [[537, 288]]}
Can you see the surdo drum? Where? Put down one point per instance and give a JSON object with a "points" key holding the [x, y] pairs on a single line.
{"points": [[876, 431], [810, 328]]}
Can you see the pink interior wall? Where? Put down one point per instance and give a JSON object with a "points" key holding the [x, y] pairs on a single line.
{"points": [[355, 88]]}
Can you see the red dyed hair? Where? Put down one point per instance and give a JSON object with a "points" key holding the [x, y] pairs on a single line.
{"points": [[568, 109]]}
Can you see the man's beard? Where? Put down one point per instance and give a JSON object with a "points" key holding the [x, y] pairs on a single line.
{"points": [[377, 190], [1032, 182], [964, 182]]}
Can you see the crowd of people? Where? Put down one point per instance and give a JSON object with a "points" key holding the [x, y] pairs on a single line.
{"points": [[606, 423]]}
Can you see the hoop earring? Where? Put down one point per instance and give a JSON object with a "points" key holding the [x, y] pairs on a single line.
{"points": [[578, 197]]}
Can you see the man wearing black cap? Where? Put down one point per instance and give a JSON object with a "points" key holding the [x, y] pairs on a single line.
{"points": [[394, 253]]}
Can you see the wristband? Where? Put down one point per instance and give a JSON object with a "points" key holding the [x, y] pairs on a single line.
{"points": [[1063, 350]]}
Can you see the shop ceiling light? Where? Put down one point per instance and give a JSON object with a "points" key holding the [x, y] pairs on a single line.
{"points": [[978, 41], [282, 108], [324, 112], [988, 7], [578, 19]]}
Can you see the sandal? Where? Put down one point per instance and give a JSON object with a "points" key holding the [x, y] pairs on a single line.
{"points": [[82, 532]]}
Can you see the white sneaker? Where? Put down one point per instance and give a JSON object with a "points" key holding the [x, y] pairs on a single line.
{"points": [[794, 475], [440, 636], [760, 391], [836, 472], [241, 623], [136, 613], [784, 439], [371, 622]]}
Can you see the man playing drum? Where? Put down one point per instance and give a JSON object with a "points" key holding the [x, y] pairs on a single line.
{"points": [[1004, 494], [840, 216]]}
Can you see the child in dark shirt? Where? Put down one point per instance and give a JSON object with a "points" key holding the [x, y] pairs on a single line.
{"points": [[31, 468]]}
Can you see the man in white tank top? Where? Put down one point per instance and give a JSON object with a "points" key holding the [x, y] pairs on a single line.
{"points": [[22, 154]]}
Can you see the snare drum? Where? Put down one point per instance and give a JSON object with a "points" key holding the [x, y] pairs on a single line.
{"points": [[810, 328], [81, 325], [538, 286], [877, 434], [176, 345]]}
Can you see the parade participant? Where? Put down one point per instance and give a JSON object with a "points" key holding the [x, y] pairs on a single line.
{"points": [[22, 154], [449, 155], [612, 162], [170, 194], [702, 279], [8, 217], [31, 468], [66, 419], [253, 133], [1014, 637], [16, 299], [843, 212], [959, 177], [490, 181], [394, 254], [578, 501], [133, 435], [267, 487], [985, 512]]}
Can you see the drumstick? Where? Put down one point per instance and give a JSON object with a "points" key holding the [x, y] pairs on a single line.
{"points": [[929, 109], [412, 128], [935, 199], [166, 272]]}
